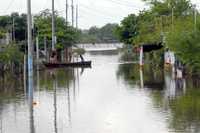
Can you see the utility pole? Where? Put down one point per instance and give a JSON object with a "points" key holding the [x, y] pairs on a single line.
{"points": [[76, 16], [172, 18], [37, 49], [13, 34], [30, 60], [72, 13], [195, 18], [45, 46], [67, 6], [53, 26], [30, 47]]}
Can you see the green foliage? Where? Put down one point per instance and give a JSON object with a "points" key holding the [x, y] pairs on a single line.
{"points": [[185, 42], [170, 21], [164, 7], [66, 35], [128, 29], [149, 28], [10, 54], [19, 21], [104, 34], [185, 111], [79, 51], [2, 34]]}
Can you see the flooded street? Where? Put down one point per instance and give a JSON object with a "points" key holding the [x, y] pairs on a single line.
{"points": [[110, 97]]}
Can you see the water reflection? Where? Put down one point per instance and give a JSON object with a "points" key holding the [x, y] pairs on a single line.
{"points": [[31, 108], [55, 100], [178, 98], [15, 98], [145, 77], [107, 98], [69, 105], [141, 78]]}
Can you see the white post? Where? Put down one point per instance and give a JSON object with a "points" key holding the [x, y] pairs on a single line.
{"points": [[141, 56]]}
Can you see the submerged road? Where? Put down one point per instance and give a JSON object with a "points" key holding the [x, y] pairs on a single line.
{"points": [[111, 97]]}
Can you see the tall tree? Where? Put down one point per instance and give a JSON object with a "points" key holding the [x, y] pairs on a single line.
{"points": [[128, 29]]}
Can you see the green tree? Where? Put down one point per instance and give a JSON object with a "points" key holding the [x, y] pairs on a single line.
{"points": [[66, 35], [19, 23], [128, 29], [104, 34], [107, 33]]}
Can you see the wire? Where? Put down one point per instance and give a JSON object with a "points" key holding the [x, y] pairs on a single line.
{"points": [[45, 4], [93, 13], [101, 12], [124, 4], [58, 4], [8, 7]]}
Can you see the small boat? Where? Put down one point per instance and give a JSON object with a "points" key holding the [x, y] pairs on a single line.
{"points": [[83, 64]]}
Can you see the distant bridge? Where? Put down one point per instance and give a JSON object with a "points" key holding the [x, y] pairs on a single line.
{"points": [[100, 47]]}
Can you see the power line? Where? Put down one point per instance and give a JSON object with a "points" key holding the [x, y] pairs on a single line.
{"points": [[45, 4], [9, 5], [101, 12], [124, 4], [88, 11]]}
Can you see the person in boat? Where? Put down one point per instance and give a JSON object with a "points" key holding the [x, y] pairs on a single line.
{"points": [[179, 78], [53, 57], [167, 57], [82, 59]]}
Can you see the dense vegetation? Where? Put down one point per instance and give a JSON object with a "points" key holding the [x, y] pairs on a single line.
{"points": [[104, 34], [15, 26], [170, 21], [65, 34]]}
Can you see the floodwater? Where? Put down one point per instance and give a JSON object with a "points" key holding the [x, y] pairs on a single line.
{"points": [[110, 97]]}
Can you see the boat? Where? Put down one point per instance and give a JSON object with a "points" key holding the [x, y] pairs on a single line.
{"points": [[82, 64]]}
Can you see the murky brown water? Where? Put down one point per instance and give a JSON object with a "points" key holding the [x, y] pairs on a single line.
{"points": [[111, 97]]}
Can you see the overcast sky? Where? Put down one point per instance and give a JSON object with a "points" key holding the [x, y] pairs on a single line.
{"points": [[91, 12]]}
